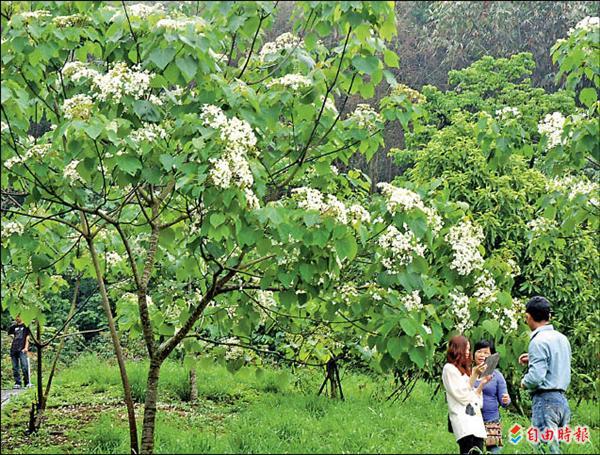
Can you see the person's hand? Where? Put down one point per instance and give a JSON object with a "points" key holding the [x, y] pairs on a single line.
{"points": [[24, 350], [476, 372], [524, 359], [505, 399]]}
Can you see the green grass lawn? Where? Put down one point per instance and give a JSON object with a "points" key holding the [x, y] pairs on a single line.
{"points": [[272, 411]]}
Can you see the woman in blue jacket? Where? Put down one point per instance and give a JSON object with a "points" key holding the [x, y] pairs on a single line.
{"points": [[495, 394]]}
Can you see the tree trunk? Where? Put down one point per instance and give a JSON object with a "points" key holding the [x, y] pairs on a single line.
{"points": [[44, 402], [118, 351], [150, 408], [40, 388], [193, 385]]}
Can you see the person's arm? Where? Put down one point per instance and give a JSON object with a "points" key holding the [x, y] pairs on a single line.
{"points": [[501, 389], [11, 330], [458, 387], [26, 348], [538, 366]]}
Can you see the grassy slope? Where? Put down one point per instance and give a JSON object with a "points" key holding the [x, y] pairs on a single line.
{"points": [[273, 412]]}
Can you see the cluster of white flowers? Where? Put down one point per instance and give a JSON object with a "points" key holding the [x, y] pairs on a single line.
{"points": [[365, 117], [286, 41], [346, 294], [74, 20], [181, 23], [238, 140], [11, 227], [574, 186], [291, 81], [113, 258], [403, 199], [233, 352], [412, 301], [136, 10], [508, 318], [121, 80], [329, 205], [38, 151], [399, 248], [508, 112], [71, 173], [460, 309], [3, 127], [486, 290], [357, 213], [540, 225], [411, 94], [78, 107], [399, 198], [552, 126], [29, 16], [465, 239], [514, 267], [588, 23], [149, 132]]}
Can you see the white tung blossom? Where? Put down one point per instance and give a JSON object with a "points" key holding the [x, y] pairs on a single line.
{"points": [[574, 186], [412, 301], [238, 140], [291, 81], [486, 290], [328, 205], [588, 23], [366, 117], [552, 126], [182, 23], [149, 132], [286, 41], [508, 112], [113, 258], [399, 248], [460, 308], [403, 199], [121, 80], [71, 173], [78, 107], [465, 239], [11, 227]]}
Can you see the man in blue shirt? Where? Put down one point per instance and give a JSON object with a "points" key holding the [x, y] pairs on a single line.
{"points": [[549, 372]]}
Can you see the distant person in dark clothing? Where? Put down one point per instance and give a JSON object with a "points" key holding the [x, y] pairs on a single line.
{"points": [[18, 351]]}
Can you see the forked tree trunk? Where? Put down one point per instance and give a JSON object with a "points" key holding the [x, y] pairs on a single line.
{"points": [[150, 408], [118, 351]]}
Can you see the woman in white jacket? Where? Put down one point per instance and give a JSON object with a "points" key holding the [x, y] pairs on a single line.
{"points": [[464, 401]]}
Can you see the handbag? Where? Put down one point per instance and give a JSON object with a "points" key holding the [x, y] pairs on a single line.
{"points": [[494, 434]]}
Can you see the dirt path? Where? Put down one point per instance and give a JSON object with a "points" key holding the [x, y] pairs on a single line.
{"points": [[7, 393]]}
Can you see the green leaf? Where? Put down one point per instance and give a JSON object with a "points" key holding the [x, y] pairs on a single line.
{"points": [[391, 59], [366, 64], [40, 261], [216, 219], [162, 57], [491, 326], [417, 355], [394, 347], [346, 247], [588, 96], [188, 67], [409, 326], [146, 111], [129, 164]]}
